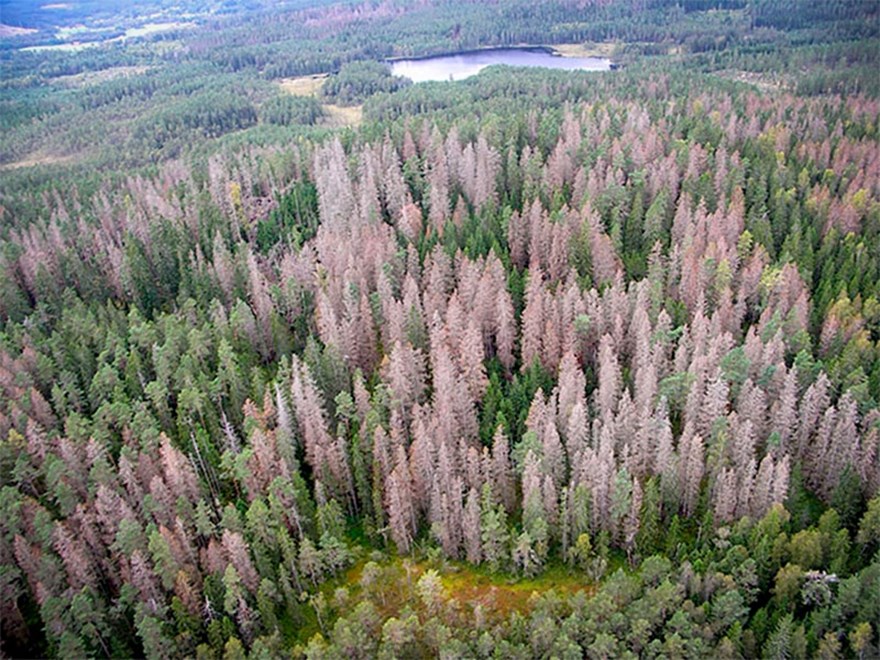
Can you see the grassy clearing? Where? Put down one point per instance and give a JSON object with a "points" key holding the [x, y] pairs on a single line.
{"points": [[337, 116], [304, 85], [763, 81], [37, 159], [502, 595], [465, 588], [589, 49]]}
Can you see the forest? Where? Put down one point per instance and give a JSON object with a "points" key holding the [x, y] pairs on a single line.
{"points": [[537, 364]]}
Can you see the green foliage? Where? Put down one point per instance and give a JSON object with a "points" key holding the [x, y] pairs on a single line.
{"points": [[356, 81], [507, 402], [285, 109], [294, 219], [200, 445]]}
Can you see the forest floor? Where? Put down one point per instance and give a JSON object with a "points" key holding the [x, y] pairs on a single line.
{"points": [[504, 594], [339, 116]]}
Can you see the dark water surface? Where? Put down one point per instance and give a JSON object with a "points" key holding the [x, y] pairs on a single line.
{"points": [[464, 65]]}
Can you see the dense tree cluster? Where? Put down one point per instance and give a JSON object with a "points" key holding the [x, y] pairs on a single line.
{"points": [[356, 81], [286, 109]]}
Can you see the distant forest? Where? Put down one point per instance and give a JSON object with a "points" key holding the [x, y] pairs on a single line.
{"points": [[535, 364]]}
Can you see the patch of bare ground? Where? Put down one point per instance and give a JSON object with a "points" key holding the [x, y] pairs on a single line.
{"points": [[339, 116], [303, 85]]}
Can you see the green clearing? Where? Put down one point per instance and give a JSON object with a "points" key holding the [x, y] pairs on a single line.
{"points": [[465, 588]]}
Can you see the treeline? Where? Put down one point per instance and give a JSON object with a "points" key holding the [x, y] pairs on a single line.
{"points": [[356, 33], [802, 15]]}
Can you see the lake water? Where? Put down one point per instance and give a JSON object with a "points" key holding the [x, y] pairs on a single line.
{"points": [[464, 65]]}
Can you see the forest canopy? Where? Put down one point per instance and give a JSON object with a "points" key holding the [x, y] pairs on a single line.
{"points": [[535, 364]]}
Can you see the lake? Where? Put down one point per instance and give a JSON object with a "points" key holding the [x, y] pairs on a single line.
{"points": [[464, 65]]}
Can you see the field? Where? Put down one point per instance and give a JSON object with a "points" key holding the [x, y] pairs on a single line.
{"points": [[304, 85], [602, 49]]}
